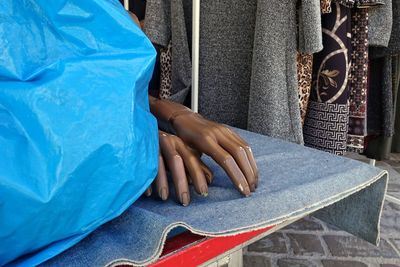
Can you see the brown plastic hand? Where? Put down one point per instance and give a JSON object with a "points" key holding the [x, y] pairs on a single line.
{"points": [[179, 158], [226, 147]]}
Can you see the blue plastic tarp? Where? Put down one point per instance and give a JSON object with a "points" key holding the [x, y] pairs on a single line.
{"points": [[78, 144]]}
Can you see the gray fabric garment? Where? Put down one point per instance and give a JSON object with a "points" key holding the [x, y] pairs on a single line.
{"points": [[380, 147], [393, 47], [310, 38], [273, 103], [248, 75], [167, 20], [395, 141], [380, 19], [294, 181], [380, 100], [226, 50], [380, 24], [394, 43], [380, 116]]}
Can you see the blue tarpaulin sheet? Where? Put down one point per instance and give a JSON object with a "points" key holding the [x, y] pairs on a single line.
{"points": [[78, 144]]}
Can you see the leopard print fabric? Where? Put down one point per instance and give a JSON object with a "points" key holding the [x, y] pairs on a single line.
{"points": [[166, 72], [326, 6], [304, 76]]}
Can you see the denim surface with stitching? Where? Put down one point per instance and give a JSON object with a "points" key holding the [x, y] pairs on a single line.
{"points": [[294, 181]]}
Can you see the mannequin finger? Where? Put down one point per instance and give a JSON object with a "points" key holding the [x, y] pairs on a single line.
{"points": [[227, 162], [253, 164], [236, 137], [161, 183], [192, 164], [240, 156], [237, 148], [248, 150], [207, 172], [177, 170], [194, 151], [148, 191], [190, 181], [179, 178]]}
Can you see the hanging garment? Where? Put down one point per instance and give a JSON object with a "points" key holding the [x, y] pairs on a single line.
{"points": [[380, 24], [247, 78], [138, 7], [326, 123], [380, 100], [170, 20], [379, 147], [380, 113], [166, 72], [304, 76], [358, 80], [382, 107], [395, 140], [393, 47], [380, 18], [273, 103]]}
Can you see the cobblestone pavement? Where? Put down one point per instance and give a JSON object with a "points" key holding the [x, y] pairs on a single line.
{"points": [[311, 242]]}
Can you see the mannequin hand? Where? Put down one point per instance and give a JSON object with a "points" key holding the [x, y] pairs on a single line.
{"points": [[227, 148], [178, 157]]}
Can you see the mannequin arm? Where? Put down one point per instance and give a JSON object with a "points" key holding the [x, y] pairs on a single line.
{"points": [[166, 110]]}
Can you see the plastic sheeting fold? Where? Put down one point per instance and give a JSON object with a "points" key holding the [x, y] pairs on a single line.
{"points": [[78, 144]]}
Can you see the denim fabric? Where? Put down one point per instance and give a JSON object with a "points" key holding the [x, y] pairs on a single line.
{"points": [[294, 181]]}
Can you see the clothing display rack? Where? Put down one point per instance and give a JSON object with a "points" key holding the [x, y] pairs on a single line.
{"points": [[260, 89]]}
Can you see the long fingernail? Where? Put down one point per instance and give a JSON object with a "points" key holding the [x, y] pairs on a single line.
{"points": [[204, 191], [246, 191], [185, 199], [163, 193]]}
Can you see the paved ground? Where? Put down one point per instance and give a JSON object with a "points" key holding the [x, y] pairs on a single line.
{"points": [[311, 242]]}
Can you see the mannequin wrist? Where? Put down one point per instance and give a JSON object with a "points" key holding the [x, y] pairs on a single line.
{"points": [[178, 113], [166, 110]]}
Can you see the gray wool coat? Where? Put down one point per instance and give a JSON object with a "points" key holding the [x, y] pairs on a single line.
{"points": [[380, 24], [248, 75]]}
